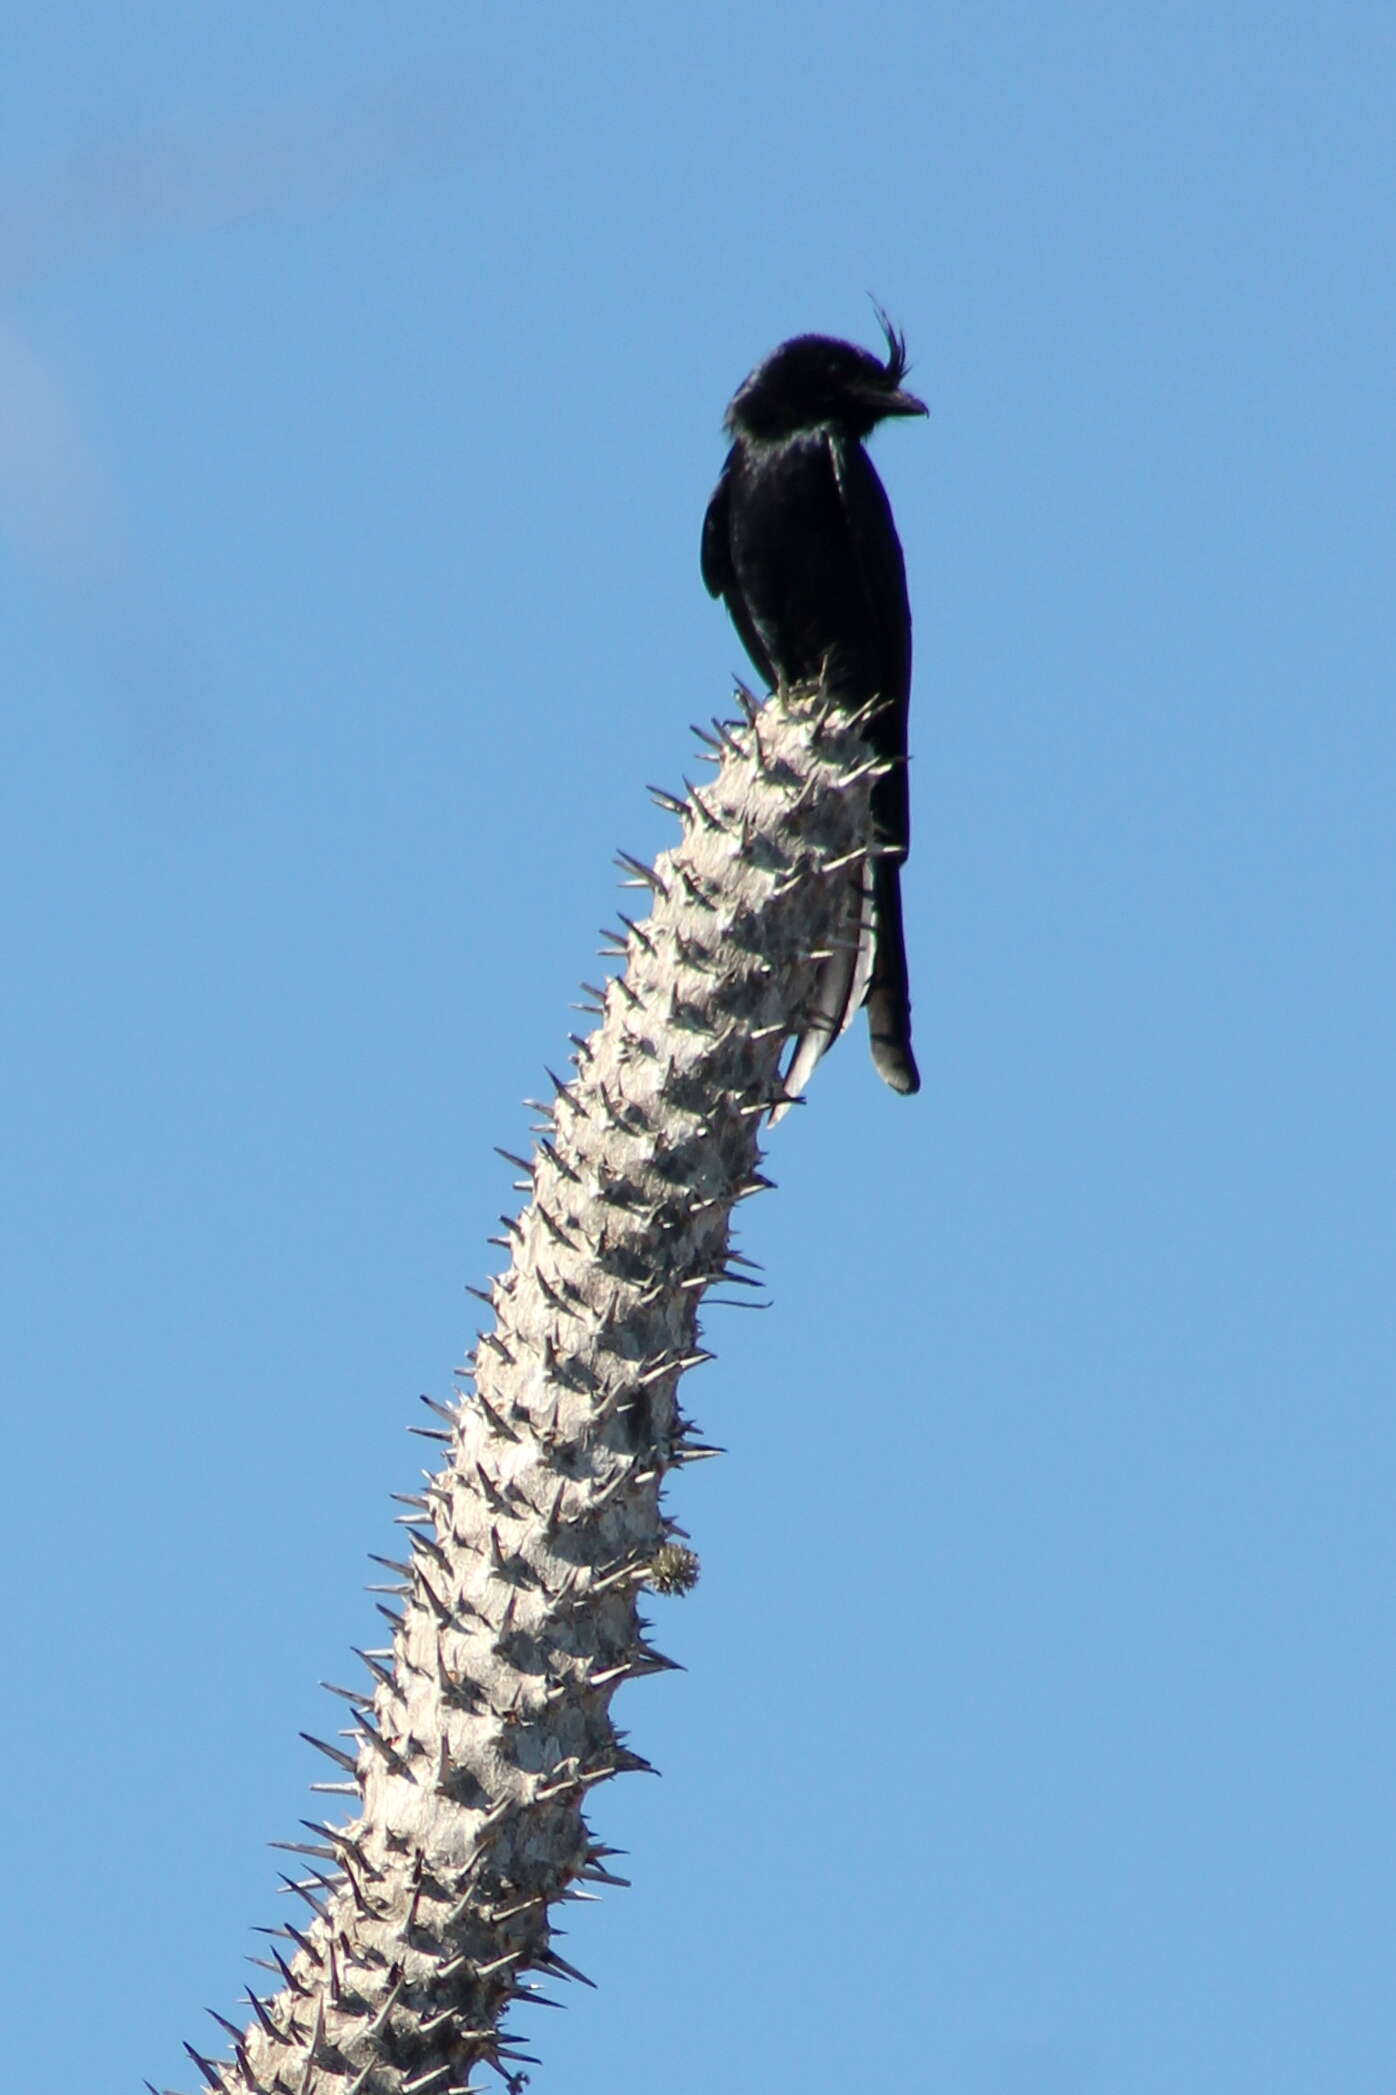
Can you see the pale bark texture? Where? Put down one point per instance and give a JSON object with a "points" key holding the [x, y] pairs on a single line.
{"points": [[485, 1722]]}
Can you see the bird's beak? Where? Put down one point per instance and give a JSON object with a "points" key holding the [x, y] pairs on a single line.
{"points": [[901, 403]]}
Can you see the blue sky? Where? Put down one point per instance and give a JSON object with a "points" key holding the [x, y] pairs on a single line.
{"points": [[361, 376]]}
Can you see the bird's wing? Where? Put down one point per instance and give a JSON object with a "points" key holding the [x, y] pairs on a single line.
{"points": [[716, 553], [721, 575], [875, 554]]}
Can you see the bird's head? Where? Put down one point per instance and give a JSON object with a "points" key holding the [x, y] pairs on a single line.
{"points": [[814, 379]]}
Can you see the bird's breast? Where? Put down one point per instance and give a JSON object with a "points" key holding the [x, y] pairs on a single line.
{"points": [[815, 557]]}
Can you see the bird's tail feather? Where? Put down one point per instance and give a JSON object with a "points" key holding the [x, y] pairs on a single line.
{"points": [[889, 991]]}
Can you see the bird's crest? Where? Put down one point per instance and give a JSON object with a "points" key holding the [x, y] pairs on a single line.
{"points": [[896, 344]]}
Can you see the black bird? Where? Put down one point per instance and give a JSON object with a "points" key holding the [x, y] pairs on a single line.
{"points": [[799, 542]]}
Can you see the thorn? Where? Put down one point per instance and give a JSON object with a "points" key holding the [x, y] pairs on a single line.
{"points": [[378, 1671], [429, 1547], [497, 1501], [648, 1660], [433, 1598], [339, 1839], [498, 1427], [617, 1118], [379, 2021], [632, 1572], [557, 1301], [712, 821], [726, 740], [551, 1961], [351, 1696], [644, 876], [259, 2009], [594, 1874], [426, 2082], [559, 1163], [210, 2072], [483, 1971], [628, 1763], [697, 1358], [499, 1914], [302, 1847], [528, 1996], [239, 2048], [317, 1906], [877, 766], [561, 1090], [860, 716], [635, 931], [293, 1984], [362, 1907], [440, 2022], [331, 1752], [555, 1230], [390, 1754], [693, 891]]}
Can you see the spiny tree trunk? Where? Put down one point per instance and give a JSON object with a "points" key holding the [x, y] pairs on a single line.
{"points": [[486, 1720]]}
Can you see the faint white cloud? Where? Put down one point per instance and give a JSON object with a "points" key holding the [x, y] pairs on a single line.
{"points": [[59, 509], [179, 180], [54, 503]]}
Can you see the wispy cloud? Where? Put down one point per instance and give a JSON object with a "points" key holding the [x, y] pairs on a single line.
{"points": [[108, 195], [59, 509]]}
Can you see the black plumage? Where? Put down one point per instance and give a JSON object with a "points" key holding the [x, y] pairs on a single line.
{"points": [[799, 542]]}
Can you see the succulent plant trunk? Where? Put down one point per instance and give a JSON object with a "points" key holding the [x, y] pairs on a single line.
{"points": [[485, 1720]]}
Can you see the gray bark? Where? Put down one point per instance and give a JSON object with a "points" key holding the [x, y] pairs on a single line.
{"points": [[485, 1721]]}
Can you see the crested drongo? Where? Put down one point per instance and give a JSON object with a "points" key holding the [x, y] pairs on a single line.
{"points": [[800, 544]]}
